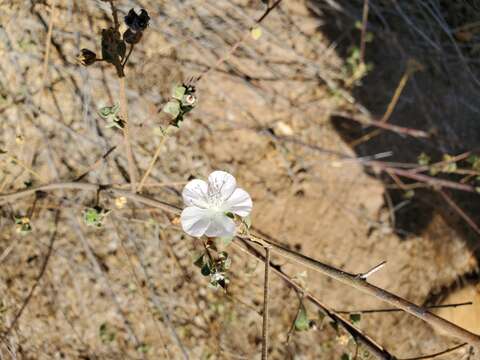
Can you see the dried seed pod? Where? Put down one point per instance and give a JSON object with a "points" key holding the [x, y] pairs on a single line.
{"points": [[86, 57], [137, 22], [131, 37]]}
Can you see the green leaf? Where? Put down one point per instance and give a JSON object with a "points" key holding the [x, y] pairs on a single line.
{"points": [[172, 108], [474, 160], [451, 166], [434, 170], [106, 334], [345, 356], [95, 216], [108, 111], [301, 322], [143, 348], [178, 92], [355, 318], [105, 111], [423, 159]]}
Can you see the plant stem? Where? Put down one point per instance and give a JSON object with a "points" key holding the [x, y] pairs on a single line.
{"points": [[356, 334], [126, 132], [266, 291], [438, 354], [357, 282], [152, 162]]}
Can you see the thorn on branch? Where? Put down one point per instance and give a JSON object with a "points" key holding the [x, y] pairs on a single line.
{"points": [[373, 270]]}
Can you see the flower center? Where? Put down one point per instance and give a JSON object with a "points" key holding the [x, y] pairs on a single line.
{"points": [[214, 194]]}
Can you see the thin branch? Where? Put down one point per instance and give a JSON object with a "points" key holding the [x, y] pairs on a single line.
{"points": [[37, 279], [385, 167], [363, 39], [124, 103], [356, 334], [269, 9], [373, 270], [96, 164], [24, 166], [238, 43], [451, 160], [97, 267], [412, 66], [433, 181], [374, 311], [438, 354], [126, 132], [362, 285], [90, 187], [154, 297], [460, 211], [266, 291], [400, 130], [128, 55], [116, 23], [48, 42], [152, 162]]}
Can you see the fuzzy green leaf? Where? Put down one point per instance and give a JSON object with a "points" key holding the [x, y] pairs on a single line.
{"points": [[172, 108], [178, 92], [355, 318], [301, 322]]}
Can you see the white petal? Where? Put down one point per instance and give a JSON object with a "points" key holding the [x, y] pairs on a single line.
{"points": [[220, 225], [239, 203], [195, 193], [195, 221], [222, 182]]}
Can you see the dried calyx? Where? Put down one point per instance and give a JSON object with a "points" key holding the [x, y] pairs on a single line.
{"points": [[86, 57], [136, 24]]}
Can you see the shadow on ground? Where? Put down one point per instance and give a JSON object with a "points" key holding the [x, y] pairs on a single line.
{"points": [[441, 98]]}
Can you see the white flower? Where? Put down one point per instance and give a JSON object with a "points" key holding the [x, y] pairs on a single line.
{"points": [[209, 203]]}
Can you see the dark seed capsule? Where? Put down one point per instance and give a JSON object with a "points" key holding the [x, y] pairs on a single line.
{"points": [[86, 57], [137, 22], [131, 37]]}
